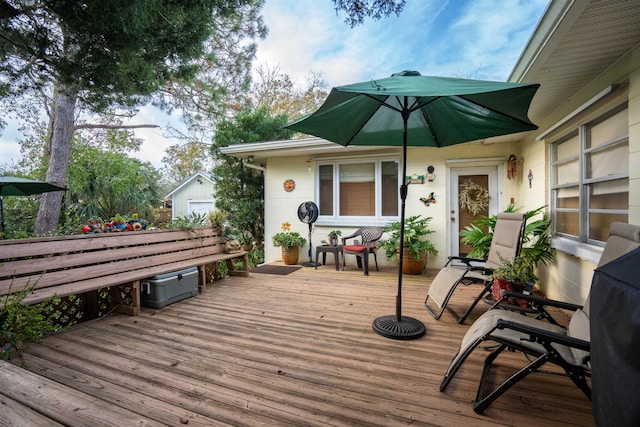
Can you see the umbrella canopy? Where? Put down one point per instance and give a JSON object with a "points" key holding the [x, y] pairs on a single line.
{"points": [[408, 109], [14, 186]]}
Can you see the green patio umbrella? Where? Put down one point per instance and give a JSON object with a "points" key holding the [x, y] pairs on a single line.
{"points": [[408, 109], [14, 186]]}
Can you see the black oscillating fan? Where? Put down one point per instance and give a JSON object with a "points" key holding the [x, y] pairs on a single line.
{"points": [[308, 213]]}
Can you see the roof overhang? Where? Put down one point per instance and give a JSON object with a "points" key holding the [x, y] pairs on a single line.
{"points": [[258, 152], [574, 43]]}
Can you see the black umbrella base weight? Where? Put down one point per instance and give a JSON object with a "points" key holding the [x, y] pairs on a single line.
{"points": [[406, 329], [308, 264]]}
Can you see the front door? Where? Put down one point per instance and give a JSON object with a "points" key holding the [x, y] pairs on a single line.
{"points": [[473, 192]]}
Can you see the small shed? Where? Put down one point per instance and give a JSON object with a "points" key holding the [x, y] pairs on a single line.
{"points": [[193, 195]]}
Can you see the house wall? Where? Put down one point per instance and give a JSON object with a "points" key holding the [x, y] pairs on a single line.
{"points": [[192, 191], [281, 206], [569, 278]]}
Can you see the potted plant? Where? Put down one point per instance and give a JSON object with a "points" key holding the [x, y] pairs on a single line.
{"points": [[514, 275], [290, 242], [536, 242], [246, 240], [20, 323], [333, 237], [416, 245]]}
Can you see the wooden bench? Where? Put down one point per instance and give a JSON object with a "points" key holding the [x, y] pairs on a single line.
{"points": [[71, 265]]}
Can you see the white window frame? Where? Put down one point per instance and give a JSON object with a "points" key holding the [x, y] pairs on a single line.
{"points": [[357, 221], [581, 245]]}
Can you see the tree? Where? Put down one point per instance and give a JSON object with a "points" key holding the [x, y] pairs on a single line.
{"points": [[97, 56], [106, 182], [239, 189], [357, 10], [279, 94]]}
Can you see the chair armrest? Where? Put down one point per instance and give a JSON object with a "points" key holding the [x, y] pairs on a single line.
{"points": [[465, 260], [541, 301], [538, 335]]}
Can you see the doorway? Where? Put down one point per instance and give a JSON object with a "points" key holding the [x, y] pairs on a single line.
{"points": [[478, 186]]}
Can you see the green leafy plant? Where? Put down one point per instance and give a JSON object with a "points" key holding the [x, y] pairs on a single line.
{"points": [[288, 239], [334, 234], [536, 243], [519, 270], [217, 218], [416, 230], [21, 323]]}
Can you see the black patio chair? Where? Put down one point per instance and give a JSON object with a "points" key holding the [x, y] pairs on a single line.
{"points": [[364, 244]]}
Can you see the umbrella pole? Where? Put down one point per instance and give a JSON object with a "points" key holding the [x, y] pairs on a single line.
{"points": [[397, 327]]}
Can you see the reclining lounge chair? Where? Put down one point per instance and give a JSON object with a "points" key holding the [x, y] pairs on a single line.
{"points": [[505, 244], [539, 340]]}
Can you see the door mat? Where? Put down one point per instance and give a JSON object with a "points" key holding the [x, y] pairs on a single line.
{"points": [[281, 270]]}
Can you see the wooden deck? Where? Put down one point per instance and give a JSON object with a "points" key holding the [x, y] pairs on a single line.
{"points": [[273, 350]]}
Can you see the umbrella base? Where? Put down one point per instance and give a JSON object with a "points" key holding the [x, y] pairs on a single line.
{"points": [[406, 329], [308, 264]]}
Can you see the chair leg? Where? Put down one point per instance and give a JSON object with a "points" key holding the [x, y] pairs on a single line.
{"points": [[483, 403], [485, 290], [365, 260], [375, 258]]}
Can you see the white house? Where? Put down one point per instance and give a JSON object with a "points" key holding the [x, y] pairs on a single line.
{"points": [[194, 195], [582, 161]]}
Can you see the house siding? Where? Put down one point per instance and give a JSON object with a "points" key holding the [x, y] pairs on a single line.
{"points": [[569, 278], [282, 206], [192, 191]]}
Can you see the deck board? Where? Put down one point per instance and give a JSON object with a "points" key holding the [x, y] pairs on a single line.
{"points": [[293, 350]]}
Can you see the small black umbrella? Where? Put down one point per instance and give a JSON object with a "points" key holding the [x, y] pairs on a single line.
{"points": [[14, 186], [408, 109]]}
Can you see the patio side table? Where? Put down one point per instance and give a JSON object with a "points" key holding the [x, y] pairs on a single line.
{"points": [[335, 250]]}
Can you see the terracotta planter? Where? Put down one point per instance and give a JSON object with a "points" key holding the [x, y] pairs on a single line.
{"points": [[410, 265], [290, 256]]}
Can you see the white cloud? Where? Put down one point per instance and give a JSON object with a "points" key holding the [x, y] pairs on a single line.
{"points": [[463, 38]]}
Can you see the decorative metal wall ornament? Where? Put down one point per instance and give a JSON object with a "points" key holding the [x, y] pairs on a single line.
{"points": [[428, 200], [473, 197], [530, 176], [289, 185], [512, 167]]}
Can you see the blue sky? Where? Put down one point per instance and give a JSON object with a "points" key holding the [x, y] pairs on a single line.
{"points": [[479, 39]]}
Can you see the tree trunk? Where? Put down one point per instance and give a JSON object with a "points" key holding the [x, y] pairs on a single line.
{"points": [[61, 125]]}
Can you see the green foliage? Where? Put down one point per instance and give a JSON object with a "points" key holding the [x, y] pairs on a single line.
{"points": [[288, 239], [189, 222], [519, 270], [416, 230], [256, 257], [20, 323], [334, 234], [536, 243], [357, 10], [239, 189], [109, 57], [217, 218], [105, 184]]}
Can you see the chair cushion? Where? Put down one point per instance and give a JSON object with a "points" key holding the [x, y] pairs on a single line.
{"points": [[358, 248]]}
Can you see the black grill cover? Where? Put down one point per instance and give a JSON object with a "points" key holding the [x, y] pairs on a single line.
{"points": [[615, 341]]}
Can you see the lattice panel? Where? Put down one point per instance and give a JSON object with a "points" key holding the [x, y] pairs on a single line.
{"points": [[66, 311]]}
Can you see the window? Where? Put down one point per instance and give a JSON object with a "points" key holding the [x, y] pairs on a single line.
{"points": [[590, 177], [352, 189]]}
